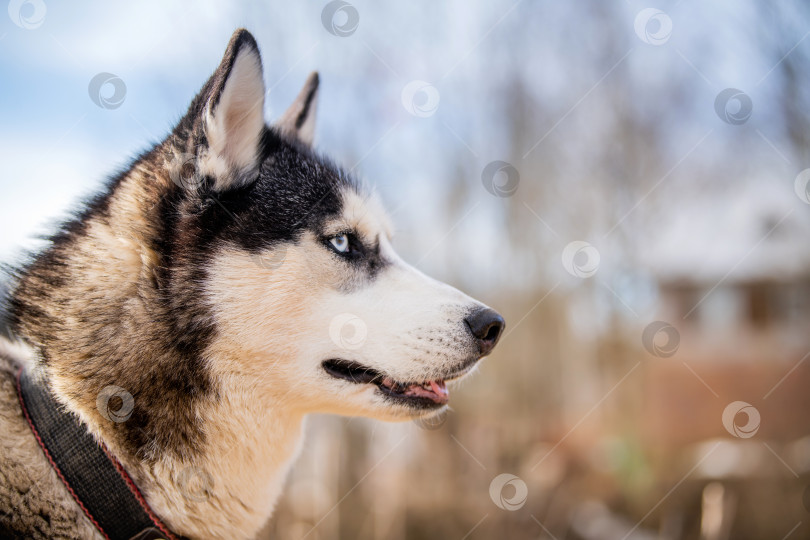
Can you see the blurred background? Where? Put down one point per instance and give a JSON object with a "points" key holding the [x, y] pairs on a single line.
{"points": [[626, 182]]}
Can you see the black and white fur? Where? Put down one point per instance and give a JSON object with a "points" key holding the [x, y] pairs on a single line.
{"points": [[212, 280]]}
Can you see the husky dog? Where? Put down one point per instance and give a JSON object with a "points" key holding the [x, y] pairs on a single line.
{"points": [[231, 281]]}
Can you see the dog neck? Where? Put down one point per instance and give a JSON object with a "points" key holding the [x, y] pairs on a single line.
{"points": [[210, 451], [229, 488]]}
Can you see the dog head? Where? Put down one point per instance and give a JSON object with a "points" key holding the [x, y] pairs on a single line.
{"points": [[310, 302]]}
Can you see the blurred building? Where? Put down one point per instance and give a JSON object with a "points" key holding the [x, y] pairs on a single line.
{"points": [[734, 278]]}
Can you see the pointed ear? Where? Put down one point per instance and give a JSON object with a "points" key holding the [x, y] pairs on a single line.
{"points": [[299, 120], [233, 115]]}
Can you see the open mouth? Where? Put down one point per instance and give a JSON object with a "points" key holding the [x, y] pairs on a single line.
{"points": [[421, 395]]}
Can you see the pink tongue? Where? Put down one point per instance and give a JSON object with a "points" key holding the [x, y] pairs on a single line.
{"points": [[437, 391], [439, 388]]}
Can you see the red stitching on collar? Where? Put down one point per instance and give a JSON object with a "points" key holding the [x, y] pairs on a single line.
{"points": [[135, 491], [50, 459]]}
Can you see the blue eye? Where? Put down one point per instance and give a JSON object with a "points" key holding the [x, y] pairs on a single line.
{"points": [[340, 243]]}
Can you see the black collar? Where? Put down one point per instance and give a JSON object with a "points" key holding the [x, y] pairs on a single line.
{"points": [[95, 479]]}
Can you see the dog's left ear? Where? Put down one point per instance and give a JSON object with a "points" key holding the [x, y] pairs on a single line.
{"points": [[298, 121], [233, 115]]}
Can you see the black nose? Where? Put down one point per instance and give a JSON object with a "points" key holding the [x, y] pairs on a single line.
{"points": [[486, 326]]}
